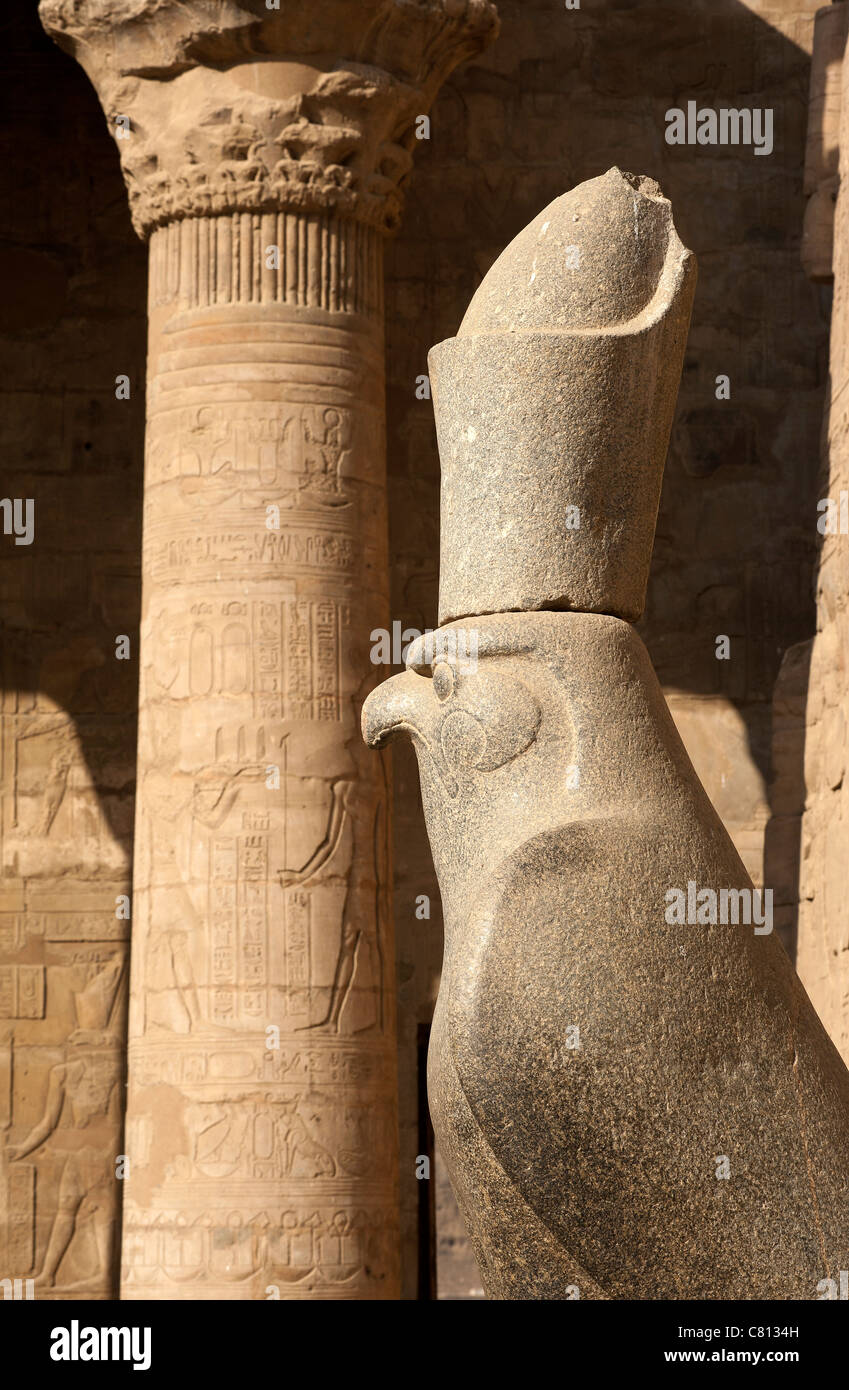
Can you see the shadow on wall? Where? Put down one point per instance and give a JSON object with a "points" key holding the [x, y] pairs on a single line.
{"points": [[72, 320], [563, 95]]}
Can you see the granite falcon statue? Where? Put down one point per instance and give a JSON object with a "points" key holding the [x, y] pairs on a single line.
{"points": [[630, 1107]]}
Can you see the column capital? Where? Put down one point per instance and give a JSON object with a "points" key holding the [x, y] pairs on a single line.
{"points": [[222, 106]]}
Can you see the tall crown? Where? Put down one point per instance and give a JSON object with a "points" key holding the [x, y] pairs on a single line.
{"points": [[554, 405]]}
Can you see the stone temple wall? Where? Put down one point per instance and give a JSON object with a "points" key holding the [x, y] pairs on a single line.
{"points": [[74, 319], [562, 95], [823, 946]]}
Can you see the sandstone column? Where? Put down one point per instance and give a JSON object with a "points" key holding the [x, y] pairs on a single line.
{"points": [[264, 151], [822, 147], [823, 946]]}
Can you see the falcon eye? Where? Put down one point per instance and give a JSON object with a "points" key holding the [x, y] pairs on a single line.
{"points": [[443, 681]]}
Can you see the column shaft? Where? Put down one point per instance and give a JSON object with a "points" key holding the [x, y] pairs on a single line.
{"points": [[262, 1051]]}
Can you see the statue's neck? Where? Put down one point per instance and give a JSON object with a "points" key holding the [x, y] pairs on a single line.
{"points": [[605, 746]]}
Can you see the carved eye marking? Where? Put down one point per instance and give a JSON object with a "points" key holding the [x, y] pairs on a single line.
{"points": [[494, 718], [443, 681], [463, 740]]}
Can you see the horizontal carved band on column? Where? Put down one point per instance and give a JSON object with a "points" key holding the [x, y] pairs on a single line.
{"points": [[309, 261]]}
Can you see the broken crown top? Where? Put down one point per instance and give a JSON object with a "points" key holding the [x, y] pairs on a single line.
{"points": [[554, 405]]}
